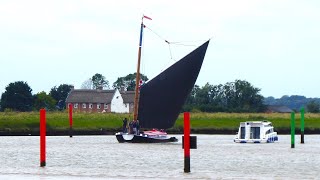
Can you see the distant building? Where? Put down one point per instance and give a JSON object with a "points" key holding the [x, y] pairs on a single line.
{"points": [[278, 109], [97, 100]]}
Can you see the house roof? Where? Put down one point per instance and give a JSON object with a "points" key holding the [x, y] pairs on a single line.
{"points": [[279, 109], [128, 96], [90, 96]]}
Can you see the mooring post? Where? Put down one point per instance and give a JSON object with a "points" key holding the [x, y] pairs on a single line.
{"points": [[292, 129], [302, 125], [186, 142], [42, 137], [70, 119]]}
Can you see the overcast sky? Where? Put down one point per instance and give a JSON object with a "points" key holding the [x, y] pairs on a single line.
{"points": [[274, 44]]}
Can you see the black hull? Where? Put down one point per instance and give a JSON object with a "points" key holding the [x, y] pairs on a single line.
{"points": [[143, 139]]}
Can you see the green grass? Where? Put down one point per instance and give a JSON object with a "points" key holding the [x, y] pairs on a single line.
{"points": [[232, 120], [60, 121], [25, 121]]}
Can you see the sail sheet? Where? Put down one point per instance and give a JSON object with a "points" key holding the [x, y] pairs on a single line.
{"points": [[162, 98]]}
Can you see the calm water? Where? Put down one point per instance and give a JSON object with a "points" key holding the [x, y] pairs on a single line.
{"points": [[102, 157]]}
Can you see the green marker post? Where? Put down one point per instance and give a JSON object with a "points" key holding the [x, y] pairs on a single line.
{"points": [[292, 130], [302, 125]]}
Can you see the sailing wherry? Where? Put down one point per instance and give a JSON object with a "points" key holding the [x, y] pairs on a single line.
{"points": [[159, 101]]}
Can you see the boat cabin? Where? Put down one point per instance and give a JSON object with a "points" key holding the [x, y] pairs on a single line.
{"points": [[256, 132]]}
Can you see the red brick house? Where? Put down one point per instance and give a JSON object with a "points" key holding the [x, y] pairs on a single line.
{"points": [[94, 100]]}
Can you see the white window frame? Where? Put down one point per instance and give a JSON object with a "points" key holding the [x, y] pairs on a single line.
{"points": [[84, 105], [75, 105], [98, 106], [106, 106], [90, 106]]}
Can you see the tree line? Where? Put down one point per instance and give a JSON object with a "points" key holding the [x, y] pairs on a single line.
{"points": [[18, 95], [237, 96], [295, 102]]}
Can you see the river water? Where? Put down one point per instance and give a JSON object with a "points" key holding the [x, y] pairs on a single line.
{"points": [[102, 157]]}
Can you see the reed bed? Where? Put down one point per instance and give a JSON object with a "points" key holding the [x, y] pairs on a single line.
{"points": [[26, 121]]}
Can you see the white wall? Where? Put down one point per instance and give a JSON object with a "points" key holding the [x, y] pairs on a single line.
{"points": [[117, 104]]}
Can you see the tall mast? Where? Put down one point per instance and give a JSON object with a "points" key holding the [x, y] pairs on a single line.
{"points": [[136, 94]]}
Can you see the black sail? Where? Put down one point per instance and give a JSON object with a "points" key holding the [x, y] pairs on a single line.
{"points": [[162, 98]]}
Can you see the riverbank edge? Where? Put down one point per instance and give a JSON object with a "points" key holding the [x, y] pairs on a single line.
{"points": [[113, 131]]}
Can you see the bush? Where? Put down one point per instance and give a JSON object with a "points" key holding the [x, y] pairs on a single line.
{"points": [[7, 110]]}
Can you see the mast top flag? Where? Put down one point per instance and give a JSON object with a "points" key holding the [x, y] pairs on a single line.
{"points": [[146, 17]]}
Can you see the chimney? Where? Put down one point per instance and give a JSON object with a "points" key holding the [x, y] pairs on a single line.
{"points": [[99, 87]]}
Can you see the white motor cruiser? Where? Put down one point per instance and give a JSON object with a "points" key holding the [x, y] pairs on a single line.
{"points": [[256, 132]]}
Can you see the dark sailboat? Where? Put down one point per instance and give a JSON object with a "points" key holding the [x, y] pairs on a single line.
{"points": [[159, 102]]}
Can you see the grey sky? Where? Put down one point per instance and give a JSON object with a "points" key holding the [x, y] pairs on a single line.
{"points": [[272, 44]]}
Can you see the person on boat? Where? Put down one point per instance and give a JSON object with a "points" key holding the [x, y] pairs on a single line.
{"points": [[131, 127], [138, 127], [134, 126], [124, 125]]}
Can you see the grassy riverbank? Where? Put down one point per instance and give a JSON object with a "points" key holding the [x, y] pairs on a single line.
{"points": [[12, 123]]}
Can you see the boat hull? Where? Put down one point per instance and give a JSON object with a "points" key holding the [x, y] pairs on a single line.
{"points": [[141, 138], [269, 140]]}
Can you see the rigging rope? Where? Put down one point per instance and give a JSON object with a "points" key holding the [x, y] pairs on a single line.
{"points": [[181, 43]]}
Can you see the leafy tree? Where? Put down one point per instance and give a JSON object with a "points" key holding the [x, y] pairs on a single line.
{"points": [[203, 95], [60, 95], [190, 103], [313, 107], [218, 95], [99, 81], [42, 100], [128, 82], [87, 84], [191, 99], [238, 96], [294, 102], [269, 100], [17, 97], [241, 96]]}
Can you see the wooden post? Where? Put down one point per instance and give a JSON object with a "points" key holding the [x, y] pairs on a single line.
{"points": [[186, 142], [42, 137], [292, 130], [302, 125], [70, 120]]}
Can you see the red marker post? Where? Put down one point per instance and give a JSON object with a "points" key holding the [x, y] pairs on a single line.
{"points": [[42, 137], [186, 142], [70, 119]]}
